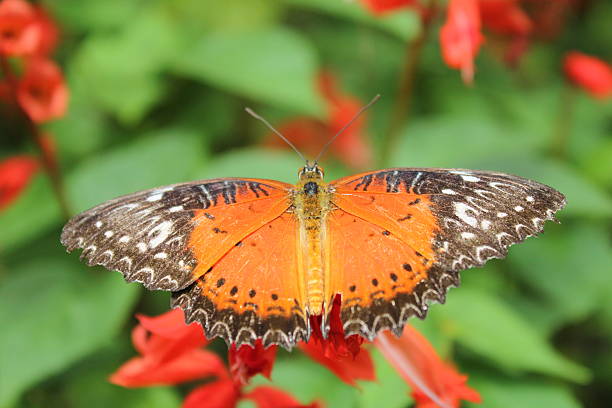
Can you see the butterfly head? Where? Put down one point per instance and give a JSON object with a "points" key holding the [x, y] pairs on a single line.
{"points": [[311, 171]]}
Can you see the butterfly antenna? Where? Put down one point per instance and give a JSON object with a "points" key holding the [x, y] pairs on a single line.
{"points": [[279, 134], [350, 122]]}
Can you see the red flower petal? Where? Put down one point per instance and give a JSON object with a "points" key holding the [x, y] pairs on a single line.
{"points": [[270, 397], [590, 73], [383, 6], [192, 365], [248, 361], [343, 356], [41, 91], [19, 32], [505, 17], [15, 174], [460, 37], [49, 33], [434, 382], [170, 353], [219, 394]]}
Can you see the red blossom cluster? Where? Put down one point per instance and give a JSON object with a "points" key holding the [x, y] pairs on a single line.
{"points": [[30, 82], [513, 24], [309, 135], [172, 352]]}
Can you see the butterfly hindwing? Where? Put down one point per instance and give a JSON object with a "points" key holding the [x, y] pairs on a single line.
{"points": [[451, 219], [253, 291], [167, 237]]}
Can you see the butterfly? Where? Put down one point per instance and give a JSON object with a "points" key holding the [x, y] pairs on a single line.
{"points": [[252, 259]]}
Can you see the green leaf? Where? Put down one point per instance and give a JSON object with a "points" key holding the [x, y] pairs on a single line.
{"points": [[492, 329], [389, 390], [121, 70], [164, 157], [57, 312], [34, 212], [274, 65], [88, 15], [93, 390], [506, 393], [570, 267], [254, 163], [403, 24]]}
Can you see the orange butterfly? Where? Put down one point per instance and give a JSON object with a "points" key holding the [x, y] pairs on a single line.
{"points": [[253, 259]]}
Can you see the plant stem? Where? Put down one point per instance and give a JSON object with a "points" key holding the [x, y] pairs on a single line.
{"points": [[46, 158], [403, 104], [563, 123]]}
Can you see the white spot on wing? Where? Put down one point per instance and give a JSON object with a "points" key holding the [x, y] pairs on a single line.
{"points": [[109, 234], [485, 224], [461, 211], [155, 197], [142, 247], [502, 214], [467, 235], [176, 208], [529, 199], [98, 224], [160, 233], [161, 255], [471, 179], [124, 239], [448, 191], [518, 208]]}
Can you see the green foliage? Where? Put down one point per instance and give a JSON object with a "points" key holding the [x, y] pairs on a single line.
{"points": [[158, 90], [57, 312]]}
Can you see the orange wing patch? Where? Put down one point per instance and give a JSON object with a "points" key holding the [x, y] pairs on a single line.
{"points": [[217, 229], [379, 277], [253, 291]]}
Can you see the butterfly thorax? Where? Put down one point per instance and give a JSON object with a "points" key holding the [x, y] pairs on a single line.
{"points": [[312, 204]]}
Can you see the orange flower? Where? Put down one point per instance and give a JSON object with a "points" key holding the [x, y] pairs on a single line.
{"points": [[435, 383], [15, 174], [49, 33], [247, 361], [41, 91], [460, 37], [589, 73], [19, 31]]}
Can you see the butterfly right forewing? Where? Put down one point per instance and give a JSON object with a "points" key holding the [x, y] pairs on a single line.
{"points": [[166, 237]]}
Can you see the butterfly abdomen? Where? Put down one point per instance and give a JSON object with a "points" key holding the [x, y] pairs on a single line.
{"points": [[312, 203]]}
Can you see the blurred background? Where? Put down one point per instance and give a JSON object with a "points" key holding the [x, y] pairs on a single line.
{"points": [[123, 95]]}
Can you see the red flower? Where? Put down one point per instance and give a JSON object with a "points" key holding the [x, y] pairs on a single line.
{"points": [[590, 73], [247, 361], [15, 174], [504, 17], [383, 6], [434, 382], [19, 32], [49, 33], [226, 394], [170, 353], [310, 135], [41, 91], [460, 36], [344, 356]]}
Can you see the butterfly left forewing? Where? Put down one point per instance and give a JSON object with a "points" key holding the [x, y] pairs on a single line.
{"points": [[451, 220], [167, 237]]}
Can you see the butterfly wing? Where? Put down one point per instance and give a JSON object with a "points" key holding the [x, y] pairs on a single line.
{"points": [[253, 292], [166, 238], [417, 228]]}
